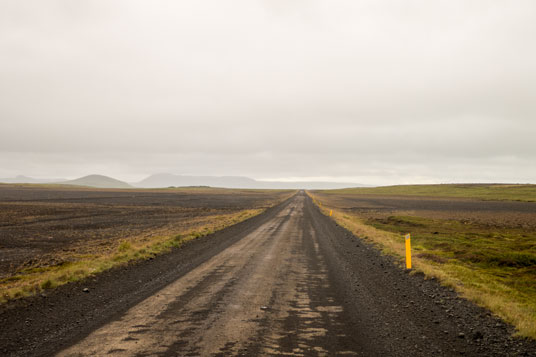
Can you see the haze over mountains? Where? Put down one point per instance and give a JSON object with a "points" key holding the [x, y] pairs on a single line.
{"points": [[98, 181], [168, 180], [26, 179]]}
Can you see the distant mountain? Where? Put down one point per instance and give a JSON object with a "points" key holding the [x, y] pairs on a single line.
{"points": [[167, 180], [26, 179], [98, 181]]}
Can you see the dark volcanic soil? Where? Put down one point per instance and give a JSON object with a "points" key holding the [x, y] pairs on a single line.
{"points": [[44, 226], [365, 202], [288, 281], [42, 325]]}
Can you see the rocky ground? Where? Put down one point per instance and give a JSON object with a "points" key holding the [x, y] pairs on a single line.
{"points": [[289, 281]]}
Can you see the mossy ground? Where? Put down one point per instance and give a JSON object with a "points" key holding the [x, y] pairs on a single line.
{"points": [[498, 192]]}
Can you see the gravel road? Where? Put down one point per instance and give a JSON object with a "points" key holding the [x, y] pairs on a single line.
{"points": [[288, 282]]}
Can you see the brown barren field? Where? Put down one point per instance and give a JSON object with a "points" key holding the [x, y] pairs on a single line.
{"points": [[43, 228]]}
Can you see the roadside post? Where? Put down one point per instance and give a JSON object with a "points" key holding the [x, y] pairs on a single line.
{"points": [[330, 212], [408, 251]]}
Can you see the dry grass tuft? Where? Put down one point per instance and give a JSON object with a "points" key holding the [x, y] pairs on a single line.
{"points": [[32, 281]]}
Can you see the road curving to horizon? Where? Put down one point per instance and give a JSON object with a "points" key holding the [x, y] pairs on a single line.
{"points": [[287, 282]]}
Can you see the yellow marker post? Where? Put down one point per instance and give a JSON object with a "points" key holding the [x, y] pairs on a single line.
{"points": [[408, 251], [330, 212]]}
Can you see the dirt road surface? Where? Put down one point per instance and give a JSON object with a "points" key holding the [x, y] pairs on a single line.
{"points": [[288, 282]]}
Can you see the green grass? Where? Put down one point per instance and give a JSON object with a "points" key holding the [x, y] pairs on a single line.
{"points": [[499, 192], [507, 254], [499, 262]]}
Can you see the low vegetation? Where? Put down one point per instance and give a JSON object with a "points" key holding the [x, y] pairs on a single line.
{"points": [[476, 191], [36, 280], [492, 265]]}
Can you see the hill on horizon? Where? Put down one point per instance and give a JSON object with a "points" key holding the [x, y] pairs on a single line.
{"points": [[98, 181], [164, 180], [167, 180]]}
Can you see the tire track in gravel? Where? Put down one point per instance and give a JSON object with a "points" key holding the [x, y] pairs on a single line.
{"points": [[264, 295]]}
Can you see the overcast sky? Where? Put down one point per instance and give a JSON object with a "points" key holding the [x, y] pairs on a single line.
{"points": [[375, 92]]}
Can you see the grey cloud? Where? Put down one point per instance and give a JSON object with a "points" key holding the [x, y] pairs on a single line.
{"points": [[379, 91]]}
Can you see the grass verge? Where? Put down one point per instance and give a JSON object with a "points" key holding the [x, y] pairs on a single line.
{"points": [[33, 281], [492, 266], [498, 192]]}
